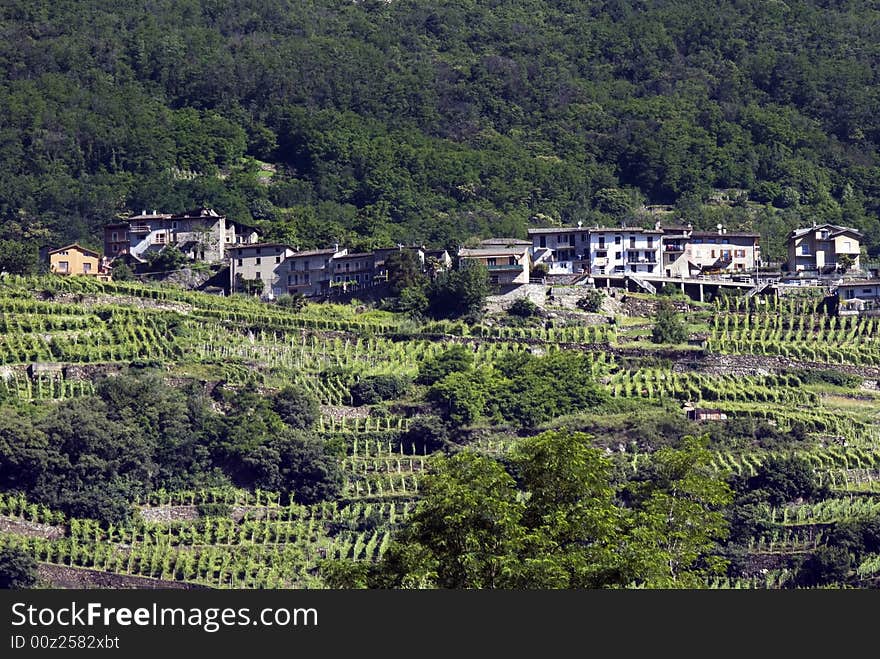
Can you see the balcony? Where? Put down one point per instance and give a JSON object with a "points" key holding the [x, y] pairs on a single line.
{"points": [[505, 268], [674, 247], [139, 228]]}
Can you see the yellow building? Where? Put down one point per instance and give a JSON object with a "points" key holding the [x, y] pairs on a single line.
{"points": [[75, 260]]}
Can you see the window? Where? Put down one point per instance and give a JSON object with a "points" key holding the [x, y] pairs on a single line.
{"points": [[62, 266], [543, 241], [739, 253], [114, 236], [805, 249], [259, 276], [632, 241], [847, 246], [258, 260], [602, 242], [866, 291], [277, 259], [240, 262], [824, 234], [650, 242], [725, 241], [713, 254], [511, 260], [601, 254], [583, 237], [490, 262], [617, 256], [87, 268], [617, 240], [174, 225]]}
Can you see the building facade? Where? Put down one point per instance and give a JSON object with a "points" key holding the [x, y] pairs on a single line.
{"points": [[563, 250], [619, 251], [353, 270], [723, 252], [201, 234], [310, 272], [506, 265], [75, 260], [264, 262], [820, 249]]}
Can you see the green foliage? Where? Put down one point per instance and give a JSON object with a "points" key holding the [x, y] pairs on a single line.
{"points": [[457, 359], [297, 407], [668, 325], [782, 480], [18, 258], [459, 293], [404, 271], [591, 301], [551, 520], [121, 271], [523, 308], [168, 259], [540, 118], [376, 388], [18, 569], [294, 302]]}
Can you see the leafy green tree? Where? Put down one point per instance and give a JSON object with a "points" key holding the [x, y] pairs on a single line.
{"points": [[668, 325], [18, 258], [678, 518], [18, 569], [460, 292], [168, 259], [297, 407], [549, 517], [121, 272], [523, 308], [465, 533], [457, 359], [845, 262], [404, 271], [460, 397], [376, 388], [298, 465]]}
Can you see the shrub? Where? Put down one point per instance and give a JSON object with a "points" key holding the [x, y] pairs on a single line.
{"points": [[18, 569], [668, 327], [456, 359], [591, 301], [376, 388], [524, 308]]}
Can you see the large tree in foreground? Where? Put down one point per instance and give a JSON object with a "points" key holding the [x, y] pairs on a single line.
{"points": [[551, 517]]}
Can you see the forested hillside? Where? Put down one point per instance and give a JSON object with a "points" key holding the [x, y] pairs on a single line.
{"points": [[434, 121]]}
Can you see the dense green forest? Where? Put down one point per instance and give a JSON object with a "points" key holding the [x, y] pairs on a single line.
{"points": [[435, 121]]}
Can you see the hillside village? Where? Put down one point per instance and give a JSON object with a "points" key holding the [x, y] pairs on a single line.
{"points": [[825, 257]]}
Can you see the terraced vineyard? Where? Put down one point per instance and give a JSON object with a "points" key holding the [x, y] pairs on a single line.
{"points": [[59, 335]]}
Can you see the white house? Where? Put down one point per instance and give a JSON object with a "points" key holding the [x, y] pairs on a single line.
{"points": [[624, 250]]}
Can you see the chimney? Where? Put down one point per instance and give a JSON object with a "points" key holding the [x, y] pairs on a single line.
{"points": [[657, 225], [335, 247], [720, 227]]}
